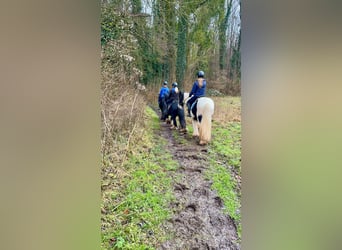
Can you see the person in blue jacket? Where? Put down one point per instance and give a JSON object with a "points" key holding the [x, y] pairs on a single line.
{"points": [[198, 90], [163, 94]]}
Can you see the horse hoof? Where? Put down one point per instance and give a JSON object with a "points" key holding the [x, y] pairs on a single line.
{"points": [[202, 143]]}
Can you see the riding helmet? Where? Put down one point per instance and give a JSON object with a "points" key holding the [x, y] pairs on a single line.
{"points": [[200, 73], [165, 83], [174, 84]]}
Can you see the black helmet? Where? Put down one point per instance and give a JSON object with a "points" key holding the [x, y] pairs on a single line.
{"points": [[200, 73], [165, 83], [174, 84]]}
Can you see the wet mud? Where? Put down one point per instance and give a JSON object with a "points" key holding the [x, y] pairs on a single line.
{"points": [[198, 221]]}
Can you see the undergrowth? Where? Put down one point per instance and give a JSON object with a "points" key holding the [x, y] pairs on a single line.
{"points": [[135, 205]]}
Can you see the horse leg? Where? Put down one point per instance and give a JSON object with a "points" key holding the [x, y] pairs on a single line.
{"points": [[164, 110], [204, 119], [174, 122], [202, 138], [167, 114], [195, 128], [182, 119], [173, 117], [161, 109]]}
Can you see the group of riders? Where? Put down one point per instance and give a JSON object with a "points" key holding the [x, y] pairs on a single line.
{"points": [[171, 101]]}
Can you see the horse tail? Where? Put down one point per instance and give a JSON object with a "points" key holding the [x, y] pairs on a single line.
{"points": [[204, 118]]}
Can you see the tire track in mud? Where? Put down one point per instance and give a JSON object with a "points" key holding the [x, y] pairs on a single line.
{"points": [[198, 221]]}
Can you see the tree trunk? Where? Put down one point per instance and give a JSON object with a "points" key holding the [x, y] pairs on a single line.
{"points": [[181, 49], [223, 37]]}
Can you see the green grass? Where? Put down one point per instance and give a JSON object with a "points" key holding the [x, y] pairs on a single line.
{"points": [[138, 203], [227, 143], [190, 127], [224, 151]]}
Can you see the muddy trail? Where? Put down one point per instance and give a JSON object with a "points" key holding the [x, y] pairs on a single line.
{"points": [[198, 221]]}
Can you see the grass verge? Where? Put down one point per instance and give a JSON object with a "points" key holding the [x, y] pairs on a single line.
{"points": [[135, 202], [224, 153]]}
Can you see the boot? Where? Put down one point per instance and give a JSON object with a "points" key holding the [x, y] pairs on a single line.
{"points": [[183, 130], [189, 109]]}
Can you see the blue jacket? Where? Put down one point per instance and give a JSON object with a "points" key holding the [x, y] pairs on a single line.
{"points": [[197, 91], [164, 91]]}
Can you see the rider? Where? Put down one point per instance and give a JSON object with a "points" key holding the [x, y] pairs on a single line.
{"points": [[163, 94], [198, 90]]}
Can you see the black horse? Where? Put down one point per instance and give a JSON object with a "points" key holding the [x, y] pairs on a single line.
{"points": [[174, 109]]}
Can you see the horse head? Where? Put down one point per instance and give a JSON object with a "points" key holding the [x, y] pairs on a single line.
{"points": [[186, 97]]}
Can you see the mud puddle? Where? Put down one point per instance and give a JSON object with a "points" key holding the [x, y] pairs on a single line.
{"points": [[199, 222]]}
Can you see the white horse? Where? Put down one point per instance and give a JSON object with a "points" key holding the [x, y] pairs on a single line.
{"points": [[201, 121]]}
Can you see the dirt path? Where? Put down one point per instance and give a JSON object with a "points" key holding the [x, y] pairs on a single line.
{"points": [[198, 221]]}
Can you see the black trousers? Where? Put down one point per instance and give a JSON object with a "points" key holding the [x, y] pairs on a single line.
{"points": [[191, 101]]}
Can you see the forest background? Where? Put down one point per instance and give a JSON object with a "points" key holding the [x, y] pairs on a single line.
{"points": [[147, 42]]}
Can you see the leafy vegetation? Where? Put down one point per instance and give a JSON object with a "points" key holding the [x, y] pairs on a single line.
{"points": [[171, 40], [137, 204]]}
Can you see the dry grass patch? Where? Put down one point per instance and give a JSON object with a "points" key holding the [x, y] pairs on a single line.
{"points": [[227, 109]]}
